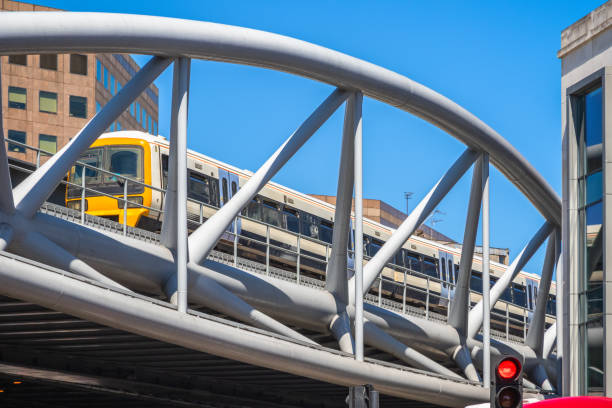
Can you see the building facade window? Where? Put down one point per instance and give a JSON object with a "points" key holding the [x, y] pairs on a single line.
{"points": [[48, 61], [78, 106], [138, 112], [105, 77], [118, 126], [17, 97], [47, 102], [48, 143], [590, 216], [118, 86], [98, 107], [112, 84], [78, 64], [18, 59], [17, 136], [155, 128], [98, 70]]}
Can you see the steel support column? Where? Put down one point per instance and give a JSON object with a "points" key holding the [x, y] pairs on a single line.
{"points": [[486, 285], [358, 163]]}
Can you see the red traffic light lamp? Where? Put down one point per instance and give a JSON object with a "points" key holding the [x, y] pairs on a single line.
{"points": [[508, 368], [507, 392]]}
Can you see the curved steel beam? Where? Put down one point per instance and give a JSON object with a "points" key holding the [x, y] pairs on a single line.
{"points": [[102, 32]]}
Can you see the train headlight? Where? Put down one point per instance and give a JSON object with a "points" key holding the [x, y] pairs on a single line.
{"points": [[76, 205], [133, 202]]}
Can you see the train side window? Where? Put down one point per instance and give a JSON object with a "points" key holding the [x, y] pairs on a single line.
{"points": [[326, 231], [476, 282], [291, 221], [412, 262], [234, 188], [429, 267], [309, 224], [373, 246], [164, 166], [270, 213], [518, 295], [451, 272], [398, 259], [198, 187], [225, 191], [506, 295], [252, 210]]}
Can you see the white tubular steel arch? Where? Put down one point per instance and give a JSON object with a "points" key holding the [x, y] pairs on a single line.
{"points": [[179, 267]]}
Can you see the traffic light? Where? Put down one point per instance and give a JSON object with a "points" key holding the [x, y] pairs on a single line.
{"points": [[507, 392]]}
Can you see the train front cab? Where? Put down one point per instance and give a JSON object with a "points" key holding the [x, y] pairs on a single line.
{"points": [[126, 157]]}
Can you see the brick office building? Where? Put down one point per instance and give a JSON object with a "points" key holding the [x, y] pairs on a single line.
{"points": [[47, 99]]}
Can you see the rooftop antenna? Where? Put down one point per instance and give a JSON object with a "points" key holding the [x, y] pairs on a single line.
{"points": [[408, 196]]}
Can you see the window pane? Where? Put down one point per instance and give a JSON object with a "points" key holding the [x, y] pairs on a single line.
{"points": [[17, 136], [594, 186], [118, 126], [47, 143], [105, 77], [18, 59], [92, 157], [48, 61], [593, 118], [78, 106], [112, 84], [98, 107], [198, 187], [125, 161], [47, 102], [16, 97], [98, 70], [78, 64]]}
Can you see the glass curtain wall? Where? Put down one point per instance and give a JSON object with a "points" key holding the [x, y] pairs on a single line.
{"points": [[590, 212]]}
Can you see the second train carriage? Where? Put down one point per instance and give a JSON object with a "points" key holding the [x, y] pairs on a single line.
{"points": [[289, 221]]}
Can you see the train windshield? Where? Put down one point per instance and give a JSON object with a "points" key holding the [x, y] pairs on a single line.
{"points": [[124, 161]]}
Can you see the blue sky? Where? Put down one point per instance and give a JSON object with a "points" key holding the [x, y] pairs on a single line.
{"points": [[496, 59]]}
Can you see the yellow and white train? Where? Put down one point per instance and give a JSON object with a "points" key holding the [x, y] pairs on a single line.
{"points": [[286, 218]]}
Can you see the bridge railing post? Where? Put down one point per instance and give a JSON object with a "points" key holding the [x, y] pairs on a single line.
{"points": [[267, 250], [297, 266], [125, 189], [83, 195], [236, 241]]}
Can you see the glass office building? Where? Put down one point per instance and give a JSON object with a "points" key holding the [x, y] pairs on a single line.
{"points": [[586, 280]]}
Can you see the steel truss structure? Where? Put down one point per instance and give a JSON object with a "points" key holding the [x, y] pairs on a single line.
{"points": [[101, 276]]}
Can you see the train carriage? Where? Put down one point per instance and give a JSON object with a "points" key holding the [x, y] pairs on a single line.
{"points": [[280, 226]]}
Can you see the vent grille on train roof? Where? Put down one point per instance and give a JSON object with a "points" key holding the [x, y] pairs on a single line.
{"points": [[198, 166]]}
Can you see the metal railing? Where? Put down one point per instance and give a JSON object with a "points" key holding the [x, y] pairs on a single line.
{"points": [[425, 301]]}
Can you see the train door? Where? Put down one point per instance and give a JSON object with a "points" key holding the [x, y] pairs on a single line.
{"points": [[228, 186], [531, 287], [443, 276]]}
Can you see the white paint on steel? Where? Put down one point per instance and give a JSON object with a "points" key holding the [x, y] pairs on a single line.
{"points": [[358, 178], [486, 282]]}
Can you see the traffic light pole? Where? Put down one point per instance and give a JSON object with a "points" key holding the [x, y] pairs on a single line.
{"points": [[486, 309]]}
